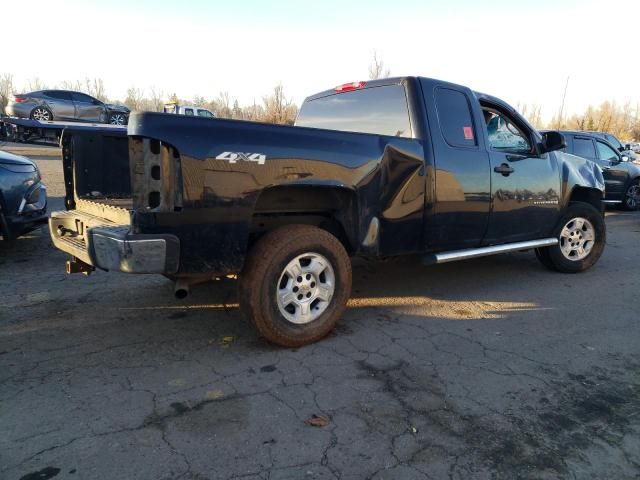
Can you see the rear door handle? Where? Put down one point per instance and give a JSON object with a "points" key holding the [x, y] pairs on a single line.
{"points": [[505, 170]]}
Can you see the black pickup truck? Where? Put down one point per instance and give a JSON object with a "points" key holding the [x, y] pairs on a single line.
{"points": [[388, 167]]}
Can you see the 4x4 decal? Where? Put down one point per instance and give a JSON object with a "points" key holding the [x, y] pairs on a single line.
{"points": [[233, 157]]}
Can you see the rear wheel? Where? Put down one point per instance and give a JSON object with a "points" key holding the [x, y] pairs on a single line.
{"points": [[631, 200], [295, 284], [581, 237], [42, 114]]}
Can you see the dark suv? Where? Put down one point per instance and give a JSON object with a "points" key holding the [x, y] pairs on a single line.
{"points": [[621, 176], [65, 105]]}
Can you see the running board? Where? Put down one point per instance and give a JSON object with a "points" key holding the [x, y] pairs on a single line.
{"points": [[455, 255]]}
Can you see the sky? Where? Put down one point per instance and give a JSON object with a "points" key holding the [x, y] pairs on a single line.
{"points": [[521, 51]]}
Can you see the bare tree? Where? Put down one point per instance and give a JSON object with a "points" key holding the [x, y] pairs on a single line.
{"points": [[36, 84], [6, 89], [377, 69], [135, 99], [278, 109], [222, 105], [95, 88], [156, 100], [72, 85]]}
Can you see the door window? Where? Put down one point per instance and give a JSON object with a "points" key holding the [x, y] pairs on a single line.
{"points": [[58, 95], [204, 113], [454, 115], [583, 147], [503, 134], [81, 97], [188, 112], [606, 152]]}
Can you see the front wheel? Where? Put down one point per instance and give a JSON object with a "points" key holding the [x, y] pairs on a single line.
{"points": [[117, 119], [631, 200], [295, 284], [581, 235]]}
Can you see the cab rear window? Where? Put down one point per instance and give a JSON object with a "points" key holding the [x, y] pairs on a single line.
{"points": [[379, 110]]}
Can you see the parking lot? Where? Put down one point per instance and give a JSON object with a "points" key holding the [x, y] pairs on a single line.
{"points": [[490, 368]]}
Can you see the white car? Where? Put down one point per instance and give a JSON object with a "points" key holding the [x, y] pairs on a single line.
{"points": [[188, 110]]}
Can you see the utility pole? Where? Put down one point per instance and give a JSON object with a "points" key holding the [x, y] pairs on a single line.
{"points": [[564, 96]]}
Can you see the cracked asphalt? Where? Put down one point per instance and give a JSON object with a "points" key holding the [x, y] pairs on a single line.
{"points": [[490, 368]]}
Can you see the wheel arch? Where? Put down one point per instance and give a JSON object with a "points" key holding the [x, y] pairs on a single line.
{"points": [[327, 206], [592, 196]]}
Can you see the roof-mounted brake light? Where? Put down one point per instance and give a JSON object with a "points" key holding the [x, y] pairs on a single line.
{"points": [[350, 86]]}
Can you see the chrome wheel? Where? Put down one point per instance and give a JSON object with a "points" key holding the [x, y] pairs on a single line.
{"points": [[577, 239], [632, 197], [117, 119], [41, 114], [305, 288]]}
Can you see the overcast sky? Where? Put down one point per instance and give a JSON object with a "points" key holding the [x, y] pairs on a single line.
{"points": [[521, 51]]}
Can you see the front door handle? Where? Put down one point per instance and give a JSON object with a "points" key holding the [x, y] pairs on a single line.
{"points": [[505, 170]]}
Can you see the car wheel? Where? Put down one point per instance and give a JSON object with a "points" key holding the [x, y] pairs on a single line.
{"points": [[117, 119], [42, 114], [631, 200], [581, 235], [295, 284]]}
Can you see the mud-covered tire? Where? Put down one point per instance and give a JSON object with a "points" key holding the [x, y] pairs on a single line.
{"points": [[263, 275], [556, 256]]}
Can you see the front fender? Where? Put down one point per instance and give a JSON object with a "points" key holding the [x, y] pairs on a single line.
{"points": [[578, 172]]}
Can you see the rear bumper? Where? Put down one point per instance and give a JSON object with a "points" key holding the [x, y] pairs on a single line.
{"points": [[113, 247]]}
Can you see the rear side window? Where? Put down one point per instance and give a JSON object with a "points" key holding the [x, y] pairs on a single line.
{"points": [[58, 95], [380, 110], [583, 147], [188, 111], [454, 115]]}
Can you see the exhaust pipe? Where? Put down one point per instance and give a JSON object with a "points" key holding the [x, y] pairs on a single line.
{"points": [[181, 289]]}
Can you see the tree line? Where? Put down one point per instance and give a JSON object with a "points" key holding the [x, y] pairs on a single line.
{"points": [[274, 107], [621, 120]]}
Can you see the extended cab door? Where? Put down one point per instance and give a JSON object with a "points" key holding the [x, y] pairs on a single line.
{"points": [[457, 207], [525, 185]]}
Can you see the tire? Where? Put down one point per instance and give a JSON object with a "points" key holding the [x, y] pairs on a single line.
{"points": [[581, 235], [631, 198], [321, 281], [42, 114], [118, 119]]}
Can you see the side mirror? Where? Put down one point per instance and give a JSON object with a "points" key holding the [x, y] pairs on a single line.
{"points": [[624, 158], [552, 141], [627, 146]]}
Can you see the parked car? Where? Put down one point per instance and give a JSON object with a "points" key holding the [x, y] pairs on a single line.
{"points": [[381, 168], [621, 176], [188, 110], [624, 149], [65, 105], [23, 196]]}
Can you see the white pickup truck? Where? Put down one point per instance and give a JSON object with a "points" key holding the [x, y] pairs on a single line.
{"points": [[188, 110]]}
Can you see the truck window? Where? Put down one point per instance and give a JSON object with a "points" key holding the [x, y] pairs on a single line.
{"points": [[188, 111], [606, 152], [454, 115], [583, 147], [503, 134], [380, 110], [204, 113]]}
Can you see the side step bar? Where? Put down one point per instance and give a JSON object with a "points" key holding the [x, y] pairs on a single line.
{"points": [[455, 255]]}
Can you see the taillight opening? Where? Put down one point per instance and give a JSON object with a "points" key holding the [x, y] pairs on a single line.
{"points": [[350, 86], [19, 99]]}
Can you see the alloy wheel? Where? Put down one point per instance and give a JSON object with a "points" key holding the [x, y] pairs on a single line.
{"points": [[117, 119], [41, 114], [577, 239], [305, 288], [632, 197]]}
